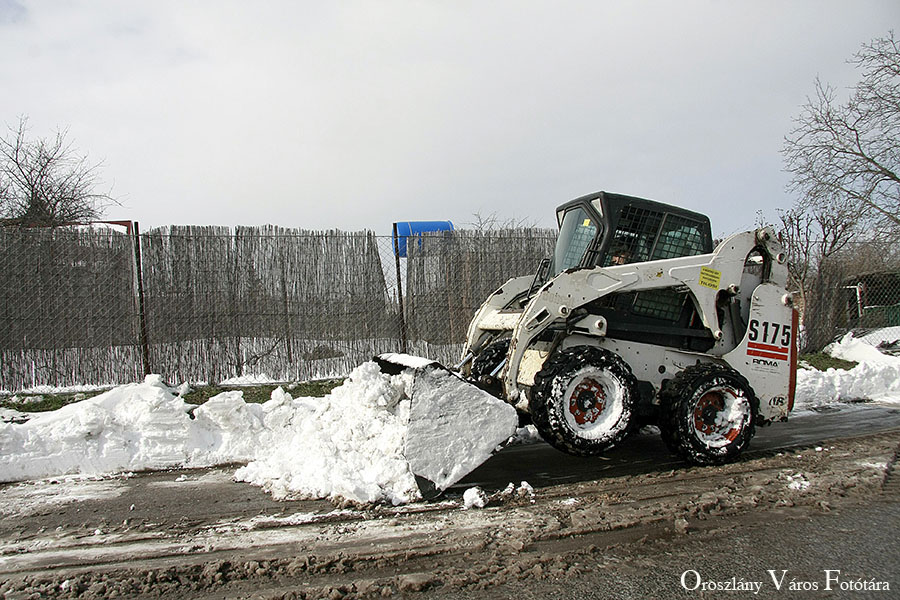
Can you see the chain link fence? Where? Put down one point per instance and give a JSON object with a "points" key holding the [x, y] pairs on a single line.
{"points": [[101, 306], [88, 306], [449, 276], [287, 304], [67, 307], [857, 290]]}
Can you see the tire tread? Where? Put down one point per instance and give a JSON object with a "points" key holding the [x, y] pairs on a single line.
{"points": [[545, 418], [671, 420]]}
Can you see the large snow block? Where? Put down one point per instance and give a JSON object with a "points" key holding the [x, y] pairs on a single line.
{"points": [[454, 426]]}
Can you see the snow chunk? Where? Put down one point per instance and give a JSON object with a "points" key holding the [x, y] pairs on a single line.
{"points": [[527, 435], [525, 491], [798, 482], [474, 497]]}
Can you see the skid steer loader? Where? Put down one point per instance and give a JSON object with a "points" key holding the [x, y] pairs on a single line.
{"points": [[636, 320]]}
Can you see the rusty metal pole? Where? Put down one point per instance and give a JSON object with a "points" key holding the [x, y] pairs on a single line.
{"points": [[404, 342], [142, 317]]}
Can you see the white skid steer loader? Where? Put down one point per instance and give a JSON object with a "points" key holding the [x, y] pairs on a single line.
{"points": [[637, 320]]}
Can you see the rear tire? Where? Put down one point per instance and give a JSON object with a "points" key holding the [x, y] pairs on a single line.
{"points": [[708, 414], [583, 400], [485, 363]]}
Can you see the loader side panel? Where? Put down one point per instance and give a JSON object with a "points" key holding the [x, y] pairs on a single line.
{"points": [[766, 355], [664, 316]]}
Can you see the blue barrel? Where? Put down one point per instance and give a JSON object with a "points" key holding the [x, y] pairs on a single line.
{"points": [[405, 229]]}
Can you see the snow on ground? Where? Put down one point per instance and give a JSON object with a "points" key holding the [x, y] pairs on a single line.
{"points": [[29, 497], [876, 377], [350, 444], [883, 335], [47, 389]]}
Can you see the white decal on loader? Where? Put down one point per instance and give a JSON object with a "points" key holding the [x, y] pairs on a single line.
{"points": [[768, 341]]}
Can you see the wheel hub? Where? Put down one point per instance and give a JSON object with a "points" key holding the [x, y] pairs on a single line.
{"points": [[587, 401], [713, 415]]}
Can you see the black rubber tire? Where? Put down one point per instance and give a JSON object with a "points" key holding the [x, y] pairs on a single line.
{"points": [[555, 409], [490, 357], [691, 408]]}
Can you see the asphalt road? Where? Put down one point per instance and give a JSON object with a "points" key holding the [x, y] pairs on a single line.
{"points": [[541, 465], [811, 556], [185, 497]]}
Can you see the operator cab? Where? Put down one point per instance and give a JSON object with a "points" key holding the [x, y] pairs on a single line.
{"points": [[605, 229]]}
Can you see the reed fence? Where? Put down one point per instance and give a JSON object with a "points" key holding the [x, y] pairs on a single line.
{"points": [[213, 304]]}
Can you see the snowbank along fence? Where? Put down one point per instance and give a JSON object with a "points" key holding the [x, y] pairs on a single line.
{"points": [[104, 306]]}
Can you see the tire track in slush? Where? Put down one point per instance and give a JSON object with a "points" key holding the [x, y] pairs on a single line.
{"points": [[515, 533]]}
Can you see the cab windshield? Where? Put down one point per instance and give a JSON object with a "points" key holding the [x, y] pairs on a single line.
{"points": [[576, 232]]}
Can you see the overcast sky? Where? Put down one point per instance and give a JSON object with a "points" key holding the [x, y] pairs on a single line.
{"points": [[352, 115]]}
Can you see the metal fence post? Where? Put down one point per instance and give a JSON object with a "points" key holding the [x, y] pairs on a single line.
{"points": [[403, 334], [142, 318]]}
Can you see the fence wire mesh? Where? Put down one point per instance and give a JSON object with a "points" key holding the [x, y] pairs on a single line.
{"points": [[68, 307], [282, 303], [289, 304], [221, 304], [449, 275], [856, 289]]}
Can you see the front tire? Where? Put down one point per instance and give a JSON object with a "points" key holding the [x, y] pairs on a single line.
{"points": [[708, 414], [583, 400]]}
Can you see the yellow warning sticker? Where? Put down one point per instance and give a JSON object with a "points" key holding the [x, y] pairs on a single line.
{"points": [[587, 223], [710, 277]]}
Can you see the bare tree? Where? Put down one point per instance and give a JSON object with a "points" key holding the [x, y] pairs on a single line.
{"points": [[812, 237], [492, 222], [44, 182], [818, 240], [851, 152]]}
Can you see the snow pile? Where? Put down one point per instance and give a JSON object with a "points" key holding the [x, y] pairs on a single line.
{"points": [[876, 377], [129, 428], [368, 441], [859, 350], [351, 444], [884, 335]]}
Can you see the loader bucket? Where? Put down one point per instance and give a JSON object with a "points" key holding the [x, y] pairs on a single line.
{"points": [[454, 426]]}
